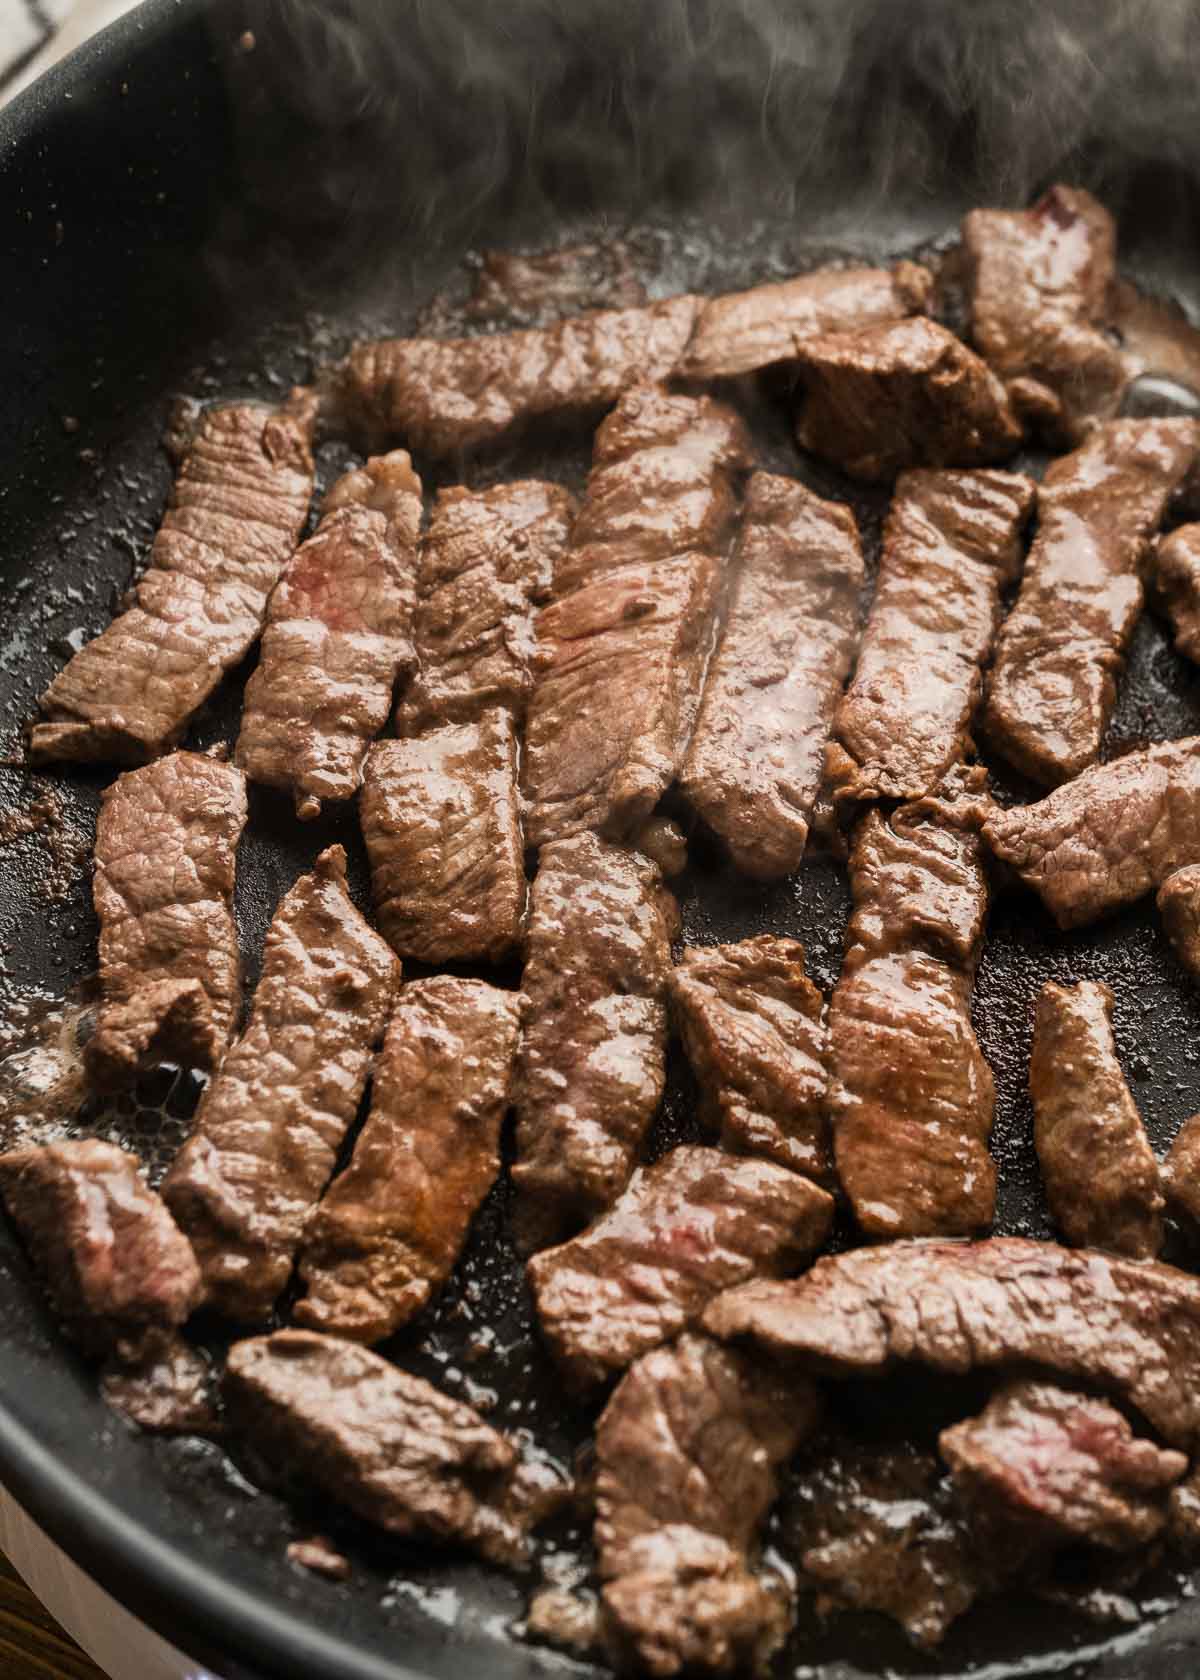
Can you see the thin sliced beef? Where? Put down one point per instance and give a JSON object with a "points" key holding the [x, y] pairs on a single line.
{"points": [[487, 560], [753, 1025], [535, 287], [170, 966], [443, 396], [745, 331], [441, 823], [1129, 1327], [592, 1062], [756, 758], [269, 1126], [904, 394], [951, 545], [1100, 1174], [1175, 585], [387, 1445], [1109, 837], [1039, 288], [118, 1270], [391, 1226], [338, 637], [688, 1450], [171, 1392], [240, 501], [622, 649], [1181, 1173], [1062, 648], [682, 1230]]}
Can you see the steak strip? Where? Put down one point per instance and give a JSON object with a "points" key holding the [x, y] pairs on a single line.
{"points": [[1179, 906], [1181, 1173], [1175, 585]]}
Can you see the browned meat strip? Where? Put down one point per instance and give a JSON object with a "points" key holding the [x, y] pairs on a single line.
{"points": [[391, 1226], [538, 286], [687, 1450], [488, 557], [1063, 645], [240, 500], [755, 762], [1181, 1172], [1109, 837], [682, 1230], [170, 967], [753, 1025], [591, 1067], [745, 331], [441, 396], [952, 543], [1039, 284], [621, 651], [169, 1393], [440, 819], [904, 394], [1175, 582], [1100, 1173], [271, 1123], [119, 1272], [337, 639], [389, 1446], [1127, 1326]]}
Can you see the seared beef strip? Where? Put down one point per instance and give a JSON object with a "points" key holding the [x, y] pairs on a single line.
{"points": [[119, 1272], [440, 819], [681, 1231], [1179, 906], [753, 1025], [1175, 584], [442, 396], [756, 758], [391, 1447], [1063, 646], [591, 1067], [170, 967], [904, 394], [1109, 837], [269, 1126], [389, 1230], [1039, 284], [1127, 1326], [745, 331], [240, 500], [1099, 1170], [169, 1393], [338, 637], [952, 543], [1181, 1172], [687, 1452], [621, 651], [488, 557], [539, 286]]}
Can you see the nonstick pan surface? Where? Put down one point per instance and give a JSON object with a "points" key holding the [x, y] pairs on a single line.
{"points": [[139, 265]]}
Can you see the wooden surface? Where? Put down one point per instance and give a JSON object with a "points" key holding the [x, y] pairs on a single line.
{"points": [[32, 1645]]}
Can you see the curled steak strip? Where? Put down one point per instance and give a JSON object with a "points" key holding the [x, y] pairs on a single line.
{"points": [[951, 544], [119, 1272], [1063, 646], [440, 820], [591, 1068], [1127, 1326], [1181, 1172], [687, 1452], [170, 967], [682, 1230], [269, 1126], [753, 1025], [240, 500], [391, 1226], [755, 761], [905, 394], [1109, 837], [1175, 582], [1100, 1173], [337, 638]]}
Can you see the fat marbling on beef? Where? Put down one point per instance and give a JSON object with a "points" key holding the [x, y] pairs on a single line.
{"points": [[1175, 585], [269, 1126], [239, 502], [391, 1225], [338, 637], [1063, 646], [754, 765], [694, 1223]]}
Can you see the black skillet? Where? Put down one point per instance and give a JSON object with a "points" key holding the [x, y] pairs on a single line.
{"points": [[188, 206]]}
